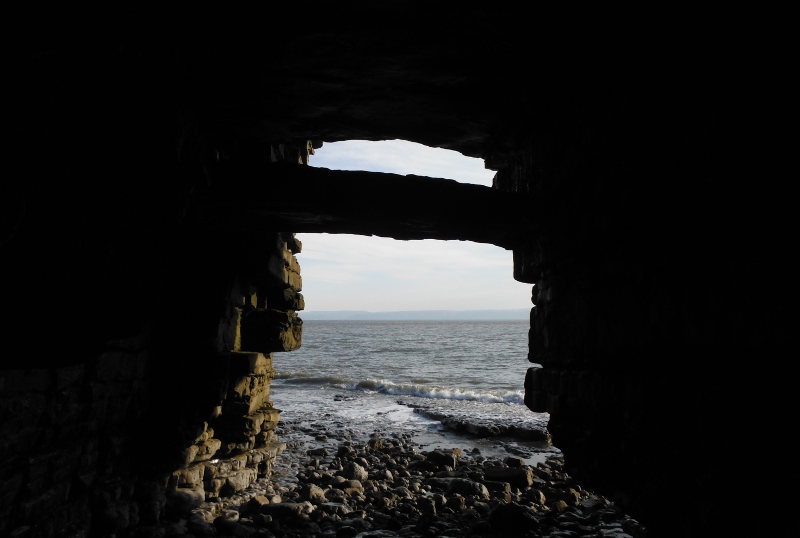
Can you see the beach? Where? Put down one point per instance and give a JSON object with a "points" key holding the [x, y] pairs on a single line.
{"points": [[411, 429]]}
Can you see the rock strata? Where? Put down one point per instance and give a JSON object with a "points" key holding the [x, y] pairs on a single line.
{"points": [[476, 418]]}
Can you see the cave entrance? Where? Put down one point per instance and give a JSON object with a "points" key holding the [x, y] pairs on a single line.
{"points": [[418, 338]]}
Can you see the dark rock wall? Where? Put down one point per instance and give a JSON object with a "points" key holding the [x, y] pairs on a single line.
{"points": [[67, 445], [116, 380], [661, 260], [160, 421], [650, 358], [78, 442]]}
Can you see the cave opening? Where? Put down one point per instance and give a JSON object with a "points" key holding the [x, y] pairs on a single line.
{"points": [[147, 238], [392, 309]]}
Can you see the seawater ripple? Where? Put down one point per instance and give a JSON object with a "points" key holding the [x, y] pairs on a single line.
{"points": [[438, 360], [421, 390]]}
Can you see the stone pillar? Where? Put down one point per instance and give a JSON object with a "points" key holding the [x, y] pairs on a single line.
{"points": [[236, 445]]}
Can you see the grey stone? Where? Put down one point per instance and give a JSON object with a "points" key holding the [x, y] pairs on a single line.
{"points": [[345, 451], [227, 522], [354, 471], [255, 504], [467, 487], [482, 508], [184, 500], [518, 477], [426, 505], [384, 475], [287, 510], [593, 503], [497, 486], [535, 496], [313, 494], [444, 457], [403, 492], [377, 533], [239, 480], [207, 449], [449, 474], [568, 495], [346, 532], [350, 486], [456, 503], [421, 465], [335, 495], [439, 483], [261, 520], [354, 521], [339, 509]]}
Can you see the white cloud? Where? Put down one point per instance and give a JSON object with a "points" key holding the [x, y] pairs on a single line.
{"points": [[346, 272]]}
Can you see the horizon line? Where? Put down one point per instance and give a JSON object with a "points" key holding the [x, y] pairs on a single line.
{"points": [[418, 315], [430, 310]]}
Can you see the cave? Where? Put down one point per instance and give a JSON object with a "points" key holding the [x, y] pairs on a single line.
{"points": [[159, 173]]}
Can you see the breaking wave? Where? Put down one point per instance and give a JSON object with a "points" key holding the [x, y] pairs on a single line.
{"points": [[442, 393], [404, 389]]}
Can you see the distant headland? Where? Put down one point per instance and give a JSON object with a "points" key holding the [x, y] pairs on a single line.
{"points": [[418, 315]]}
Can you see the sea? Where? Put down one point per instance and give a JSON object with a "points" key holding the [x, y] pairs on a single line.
{"points": [[449, 384]]}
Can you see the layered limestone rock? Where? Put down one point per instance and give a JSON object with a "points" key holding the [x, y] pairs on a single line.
{"points": [[260, 308], [364, 203], [649, 160], [269, 322], [248, 384], [271, 330], [237, 445]]}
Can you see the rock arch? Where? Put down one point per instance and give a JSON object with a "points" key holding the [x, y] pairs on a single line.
{"points": [[126, 264]]}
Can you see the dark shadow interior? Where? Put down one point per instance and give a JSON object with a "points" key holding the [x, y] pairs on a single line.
{"points": [[158, 175]]}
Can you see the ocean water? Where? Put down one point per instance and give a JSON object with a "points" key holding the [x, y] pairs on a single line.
{"points": [[456, 360], [353, 378]]}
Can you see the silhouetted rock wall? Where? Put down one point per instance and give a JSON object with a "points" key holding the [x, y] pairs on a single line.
{"points": [[147, 427], [646, 353], [67, 445], [660, 254]]}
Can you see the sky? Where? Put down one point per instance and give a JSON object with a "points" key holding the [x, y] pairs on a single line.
{"points": [[378, 274]]}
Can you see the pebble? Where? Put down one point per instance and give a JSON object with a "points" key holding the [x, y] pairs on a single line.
{"points": [[381, 486]]}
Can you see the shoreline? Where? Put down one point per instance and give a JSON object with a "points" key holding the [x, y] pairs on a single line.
{"points": [[496, 429], [476, 418], [307, 431], [386, 488], [397, 473]]}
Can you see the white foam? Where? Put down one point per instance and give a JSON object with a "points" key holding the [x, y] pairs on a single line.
{"points": [[421, 390], [433, 391]]}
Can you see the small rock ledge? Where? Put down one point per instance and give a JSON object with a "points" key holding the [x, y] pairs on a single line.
{"points": [[476, 419]]}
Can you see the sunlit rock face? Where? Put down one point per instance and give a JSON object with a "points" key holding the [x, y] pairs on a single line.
{"points": [[127, 310]]}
